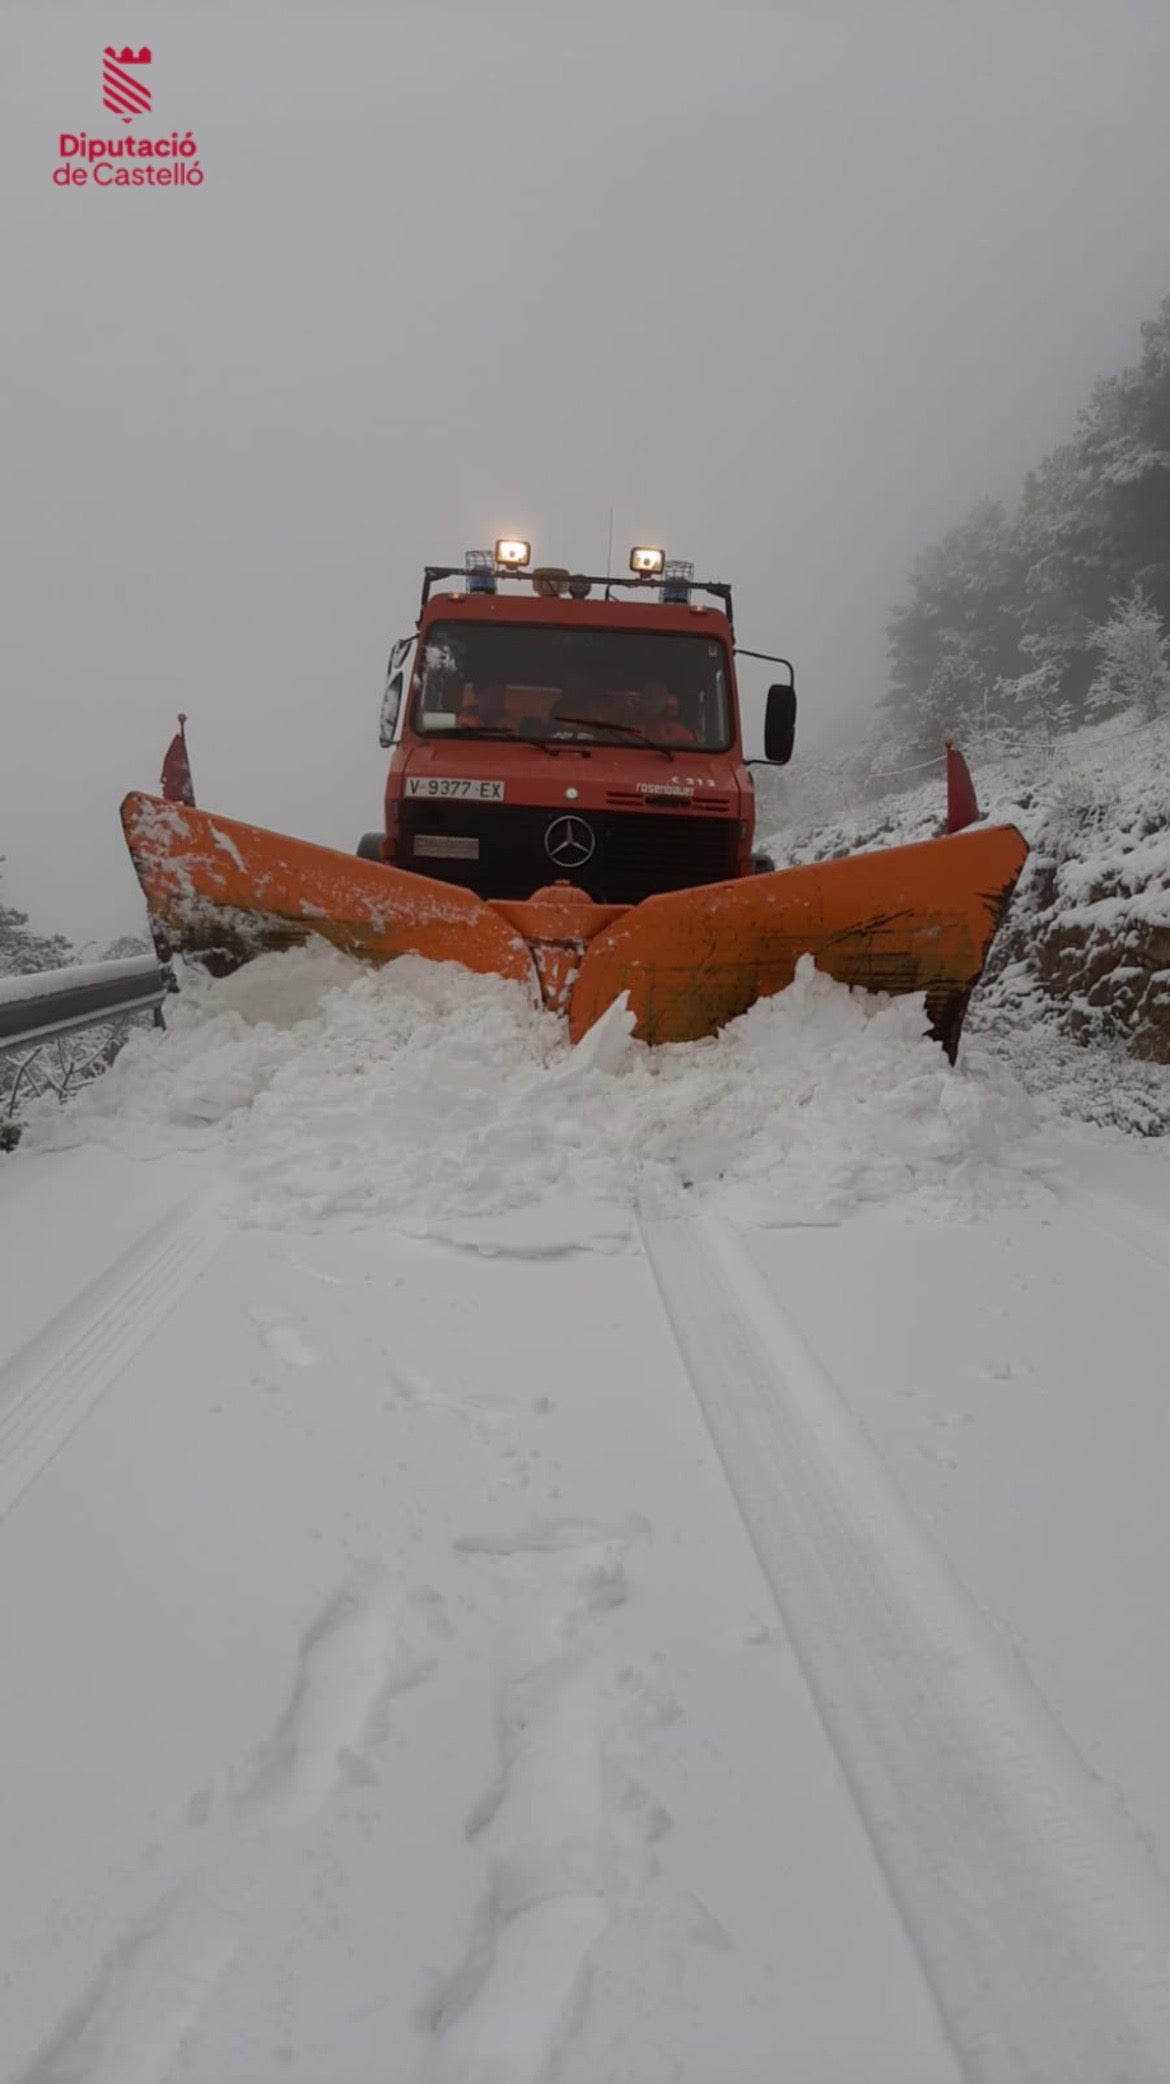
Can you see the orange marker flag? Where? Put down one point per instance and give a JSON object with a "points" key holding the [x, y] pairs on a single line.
{"points": [[177, 785], [962, 808]]}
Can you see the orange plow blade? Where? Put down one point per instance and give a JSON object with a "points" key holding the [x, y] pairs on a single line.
{"points": [[225, 892], [558, 924], [907, 919]]}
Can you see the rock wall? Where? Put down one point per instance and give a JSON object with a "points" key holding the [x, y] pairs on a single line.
{"points": [[1091, 919]]}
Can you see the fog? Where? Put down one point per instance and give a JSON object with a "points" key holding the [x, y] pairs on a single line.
{"points": [[785, 288]]}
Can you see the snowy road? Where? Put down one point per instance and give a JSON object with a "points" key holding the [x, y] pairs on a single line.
{"points": [[522, 1565]]}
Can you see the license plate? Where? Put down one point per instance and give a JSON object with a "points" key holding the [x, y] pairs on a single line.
{"points": [[456, 785]]}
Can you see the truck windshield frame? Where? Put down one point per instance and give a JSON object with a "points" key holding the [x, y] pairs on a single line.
{"points": [[558, 685]]}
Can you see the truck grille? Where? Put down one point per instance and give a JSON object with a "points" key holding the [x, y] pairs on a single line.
{"points": [[636, 853]]}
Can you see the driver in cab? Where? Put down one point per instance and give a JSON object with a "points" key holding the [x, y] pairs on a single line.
{"points": [[659, 715]]}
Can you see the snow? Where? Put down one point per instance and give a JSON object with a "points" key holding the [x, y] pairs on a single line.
{"points": [[423, 1094], [538, 1562]]}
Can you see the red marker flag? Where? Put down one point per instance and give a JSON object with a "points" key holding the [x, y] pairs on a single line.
{"points": [[176, 784], [962, 808]]}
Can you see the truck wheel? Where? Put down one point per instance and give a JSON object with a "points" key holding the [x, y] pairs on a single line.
{"points": [[762, 864], [369, 847]]}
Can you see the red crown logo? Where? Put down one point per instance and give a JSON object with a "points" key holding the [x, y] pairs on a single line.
{"points": [[122, 93]]}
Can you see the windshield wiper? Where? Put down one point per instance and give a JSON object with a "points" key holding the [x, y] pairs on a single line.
{"points": [[502, 731], [598, 723]]}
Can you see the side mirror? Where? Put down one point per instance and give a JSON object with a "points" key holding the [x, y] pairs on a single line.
{"points": [[391, 704], [392, 698], [780, 724]]}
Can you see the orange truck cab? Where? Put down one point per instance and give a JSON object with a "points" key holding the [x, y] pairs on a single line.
{"points": [[562, 735]]}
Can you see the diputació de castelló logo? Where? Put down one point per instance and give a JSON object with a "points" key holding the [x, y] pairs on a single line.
{"points": [[124, 93], [128, 161]]}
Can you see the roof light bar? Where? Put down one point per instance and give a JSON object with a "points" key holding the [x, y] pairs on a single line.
{"points": [[433, 573], [512, 554], [646, 560]]}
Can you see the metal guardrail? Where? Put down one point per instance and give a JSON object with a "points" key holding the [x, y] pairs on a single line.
{"points": [[47, 1003]]}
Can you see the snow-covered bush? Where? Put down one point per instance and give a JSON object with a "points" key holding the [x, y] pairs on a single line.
{"points": [[1135, 660]]}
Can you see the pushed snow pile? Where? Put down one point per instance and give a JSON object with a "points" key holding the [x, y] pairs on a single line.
{"points": [[436, 1099]]}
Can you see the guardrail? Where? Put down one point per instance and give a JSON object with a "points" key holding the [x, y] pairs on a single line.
{"points": [[48, 1003]]}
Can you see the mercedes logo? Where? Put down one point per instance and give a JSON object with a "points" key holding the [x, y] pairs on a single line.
{"points": [[570, 842]]}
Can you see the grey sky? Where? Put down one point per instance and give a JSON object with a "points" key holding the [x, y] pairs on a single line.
{"points": [[788, 287]]}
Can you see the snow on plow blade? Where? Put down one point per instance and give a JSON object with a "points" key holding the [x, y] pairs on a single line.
{"points": [[224, 892], [907, 919]]}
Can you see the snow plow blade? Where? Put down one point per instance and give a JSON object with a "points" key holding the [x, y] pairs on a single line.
{"points": [[224, 892], [906, 919]]}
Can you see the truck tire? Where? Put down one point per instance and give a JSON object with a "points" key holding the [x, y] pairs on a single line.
{"points": [[369, 846], [762, 864]]}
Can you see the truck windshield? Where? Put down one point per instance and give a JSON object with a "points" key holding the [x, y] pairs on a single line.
{"points": [[561, 686]]}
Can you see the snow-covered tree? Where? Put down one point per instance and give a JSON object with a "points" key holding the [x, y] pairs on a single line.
{"points": [[21, 951], [1062, 536], [958, 634], [1126, 438], [1134, 651], [1032, 704], [1008, 614]]}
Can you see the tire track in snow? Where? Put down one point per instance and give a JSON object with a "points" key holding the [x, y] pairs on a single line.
{"points": [[1139, 1230], [545, 1824], [1043, 1929], [146, 1997], [541, 1828], [52, 1382]]}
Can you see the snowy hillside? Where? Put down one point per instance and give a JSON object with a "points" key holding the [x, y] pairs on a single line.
{"points": [[1084, 957]]}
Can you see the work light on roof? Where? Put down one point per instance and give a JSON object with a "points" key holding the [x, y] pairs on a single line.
{"points": [[646, 561], [512, 554]]}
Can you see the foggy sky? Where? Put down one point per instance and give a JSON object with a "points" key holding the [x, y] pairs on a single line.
{"points": [[788, 288]]}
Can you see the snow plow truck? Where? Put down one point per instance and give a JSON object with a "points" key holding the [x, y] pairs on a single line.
{"points": [[569, 805]]}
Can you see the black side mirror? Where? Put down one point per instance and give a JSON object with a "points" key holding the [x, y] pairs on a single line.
{"points": [[780, 724]]}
